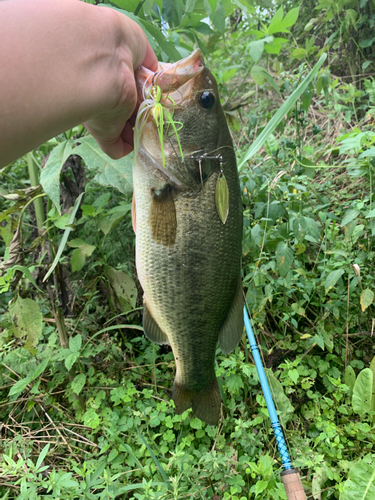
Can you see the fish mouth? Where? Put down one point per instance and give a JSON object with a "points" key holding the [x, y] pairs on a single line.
{"points": [[170, 78], [176, 83]]}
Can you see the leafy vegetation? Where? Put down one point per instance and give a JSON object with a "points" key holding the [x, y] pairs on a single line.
{"points": [[85, 399]]}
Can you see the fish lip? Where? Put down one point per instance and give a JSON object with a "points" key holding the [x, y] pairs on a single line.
{"points": [[169, 77]]}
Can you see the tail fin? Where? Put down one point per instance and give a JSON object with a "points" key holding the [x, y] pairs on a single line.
{"points": [[205, 404]]}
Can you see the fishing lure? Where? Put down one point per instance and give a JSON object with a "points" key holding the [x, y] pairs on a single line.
{"points": [[162, 115]]}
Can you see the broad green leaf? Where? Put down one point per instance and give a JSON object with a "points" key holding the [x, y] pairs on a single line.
{"points": [[256, 48], [260, 486], [122, 289], [328, 340], [350, 377], [210, 6], [190, 4], [86, 248], [284, 258], [275, 23], [129, 5], [281, 112], [290, 18], [318, 480], [50, 175], [77, 260], [299, 53], [108, 223], [19, 386], [349, 216], [307, 98], [351, 16], [293, 375], [276, 210], [27, 321], [6, 230], [367, 42], [62, 221], [92, 419], [164, 44], [275, 46], [367, 297], [300, 248], [299, 228], [312, 228], [203, 28], [371, 213], [70, 360], [100, 202], [196, 423], [40, 369], [319, 340], [75, 343], [283, 404], [332, 279], [114, 173], [78, 383], [360, 484], [218, 19], [362, 392]]}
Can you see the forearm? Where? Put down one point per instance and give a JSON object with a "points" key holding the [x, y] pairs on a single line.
{"points": [[59, 68]]}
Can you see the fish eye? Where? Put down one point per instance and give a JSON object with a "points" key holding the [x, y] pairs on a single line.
{"points": [[206, 100]]}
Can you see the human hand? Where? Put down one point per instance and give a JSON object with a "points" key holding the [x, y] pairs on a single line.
{"points": [[113, 129]]}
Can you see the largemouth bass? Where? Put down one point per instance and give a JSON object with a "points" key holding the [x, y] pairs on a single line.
{"points": [[187, 214]]}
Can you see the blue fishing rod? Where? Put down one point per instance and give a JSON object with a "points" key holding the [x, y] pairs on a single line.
{"points": [[290, 476]]}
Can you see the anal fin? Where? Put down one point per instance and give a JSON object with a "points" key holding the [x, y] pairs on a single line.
{"points": [[152, 330], [232, 329]]}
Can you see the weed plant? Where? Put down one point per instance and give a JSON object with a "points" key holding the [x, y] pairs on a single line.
{"points": [[85, 399]]}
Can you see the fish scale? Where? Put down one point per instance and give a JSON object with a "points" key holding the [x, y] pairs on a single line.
{"points": [[188, 260]]}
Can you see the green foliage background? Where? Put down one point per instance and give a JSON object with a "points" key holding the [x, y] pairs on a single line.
{"points": [[84, 398]]}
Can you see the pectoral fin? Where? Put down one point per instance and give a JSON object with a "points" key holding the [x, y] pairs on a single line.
{"points": [[163, 220], [232, 329], [152, 330]]}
